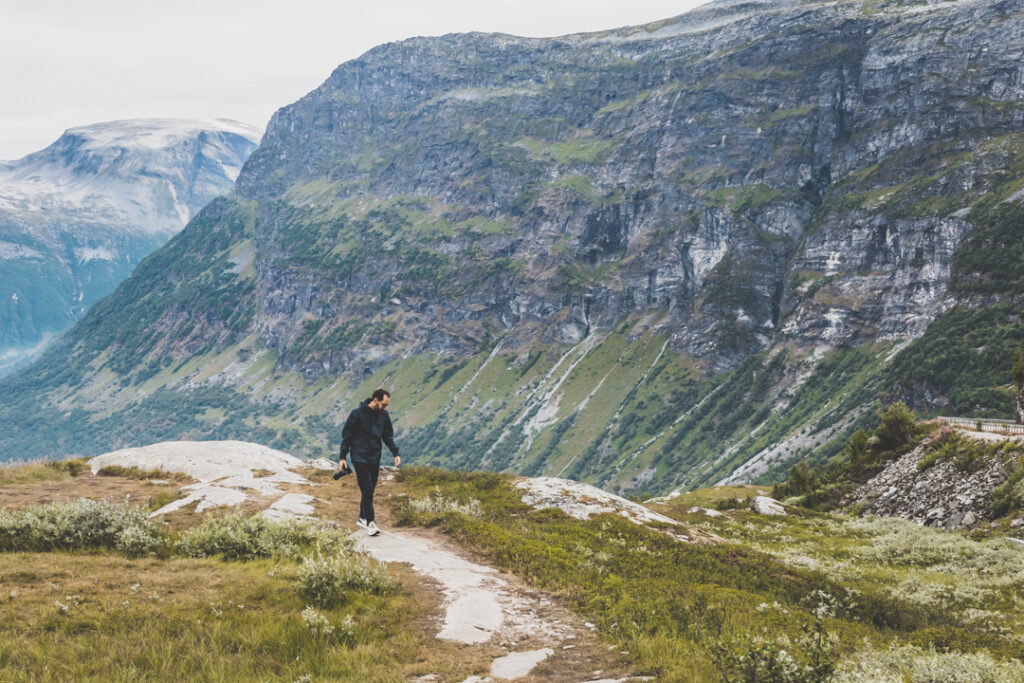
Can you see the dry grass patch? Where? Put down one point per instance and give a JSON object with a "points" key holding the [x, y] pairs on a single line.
{"points": [[43, 470], [137, 473], [44, 492], [709, 497], [99, 617]]}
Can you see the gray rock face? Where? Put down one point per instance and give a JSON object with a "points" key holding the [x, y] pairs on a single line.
{"points": [[76, 217], [940, 495], [745, 167]]}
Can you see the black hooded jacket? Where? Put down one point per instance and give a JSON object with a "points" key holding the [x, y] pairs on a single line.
{"points": [[363, 432]]}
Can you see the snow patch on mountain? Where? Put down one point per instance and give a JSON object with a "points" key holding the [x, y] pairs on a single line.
{"points": [[150, 175], [86, 254], [10, 251]]}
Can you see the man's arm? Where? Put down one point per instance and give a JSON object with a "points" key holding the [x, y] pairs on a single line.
{"points": [[348, 435], [388, 436]]}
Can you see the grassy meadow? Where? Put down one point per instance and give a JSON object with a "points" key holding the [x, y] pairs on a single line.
{"points": [[806, 597]]}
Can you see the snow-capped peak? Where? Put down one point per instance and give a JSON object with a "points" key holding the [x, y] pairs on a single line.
{"points": [[155, 174]]}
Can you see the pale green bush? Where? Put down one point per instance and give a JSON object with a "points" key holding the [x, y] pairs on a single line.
{"points": [[918, 665], [939, 595], [901, 543], [436, 503], [325, 580], [235, 537], [317, 623], [80, 525], [321, 627]]}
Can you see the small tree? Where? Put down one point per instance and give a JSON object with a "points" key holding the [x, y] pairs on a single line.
{"points": [[898, 430], [1018, 377], [857, 449]]}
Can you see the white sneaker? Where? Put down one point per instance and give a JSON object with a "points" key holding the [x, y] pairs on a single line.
{"points": [[361, 523], [372, 529]]}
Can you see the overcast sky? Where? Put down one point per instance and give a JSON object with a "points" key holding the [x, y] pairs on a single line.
{"points": [[66, 63]]}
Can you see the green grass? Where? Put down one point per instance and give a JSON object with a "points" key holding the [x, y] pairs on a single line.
{"points": [[92, 611], [951, 587], [581, 149], [714, 602]]}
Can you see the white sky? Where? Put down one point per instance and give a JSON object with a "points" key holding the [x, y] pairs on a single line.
{"points": [[67, 63]]}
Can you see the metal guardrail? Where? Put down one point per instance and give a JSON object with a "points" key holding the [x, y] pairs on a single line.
{"points": [[980, 424]]}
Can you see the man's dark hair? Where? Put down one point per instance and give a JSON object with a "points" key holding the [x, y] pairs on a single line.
{"points": [[379, 395]]}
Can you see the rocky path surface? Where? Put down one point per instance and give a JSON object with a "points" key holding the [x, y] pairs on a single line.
{"points": [[482, 605], [479, 604]]}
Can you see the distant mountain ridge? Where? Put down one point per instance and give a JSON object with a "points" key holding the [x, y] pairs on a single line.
{"points": [[647, 258], [76, 217]]}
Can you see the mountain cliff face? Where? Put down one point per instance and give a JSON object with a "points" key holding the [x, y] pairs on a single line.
{"points": [[78, 216], [651, 257]]}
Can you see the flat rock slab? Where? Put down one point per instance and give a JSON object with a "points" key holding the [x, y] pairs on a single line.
{"points": [[204, 461], [580, 500], [225, 472], [477, 602], [291, 506], [208, 496], [519, 664]]}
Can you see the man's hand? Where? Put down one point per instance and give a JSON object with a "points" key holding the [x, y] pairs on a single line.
{"points": [[398, 461], [342, 469]]}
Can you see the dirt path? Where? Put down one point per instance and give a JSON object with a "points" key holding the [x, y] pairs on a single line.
{"points": [[481, 605]]}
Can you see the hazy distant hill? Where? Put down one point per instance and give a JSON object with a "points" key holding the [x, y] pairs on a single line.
{"points": [[78, 216]]}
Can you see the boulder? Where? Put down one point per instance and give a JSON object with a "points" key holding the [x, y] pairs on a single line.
{"points": [[763, 505]]}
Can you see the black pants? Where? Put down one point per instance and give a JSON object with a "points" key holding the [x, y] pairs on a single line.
{"points": [[366, 475]]}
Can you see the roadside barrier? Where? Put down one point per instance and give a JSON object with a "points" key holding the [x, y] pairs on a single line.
{"points": [[980, 424]]}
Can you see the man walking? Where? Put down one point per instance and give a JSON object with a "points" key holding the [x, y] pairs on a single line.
{"points": [[366, 427]]}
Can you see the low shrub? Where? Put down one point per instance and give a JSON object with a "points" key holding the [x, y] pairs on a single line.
{"points": [[733, 503], [1009, 496], [967, 455], [80, 525], [763, 660], [138, 473], [162, 498], [436, 504], [324, 581], [234, 537], [900, 543], [321, 627], [924, 665], [73, 467]]}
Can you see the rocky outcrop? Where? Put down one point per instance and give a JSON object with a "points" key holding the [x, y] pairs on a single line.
{"points": [[940, 495], [763, 505]]}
